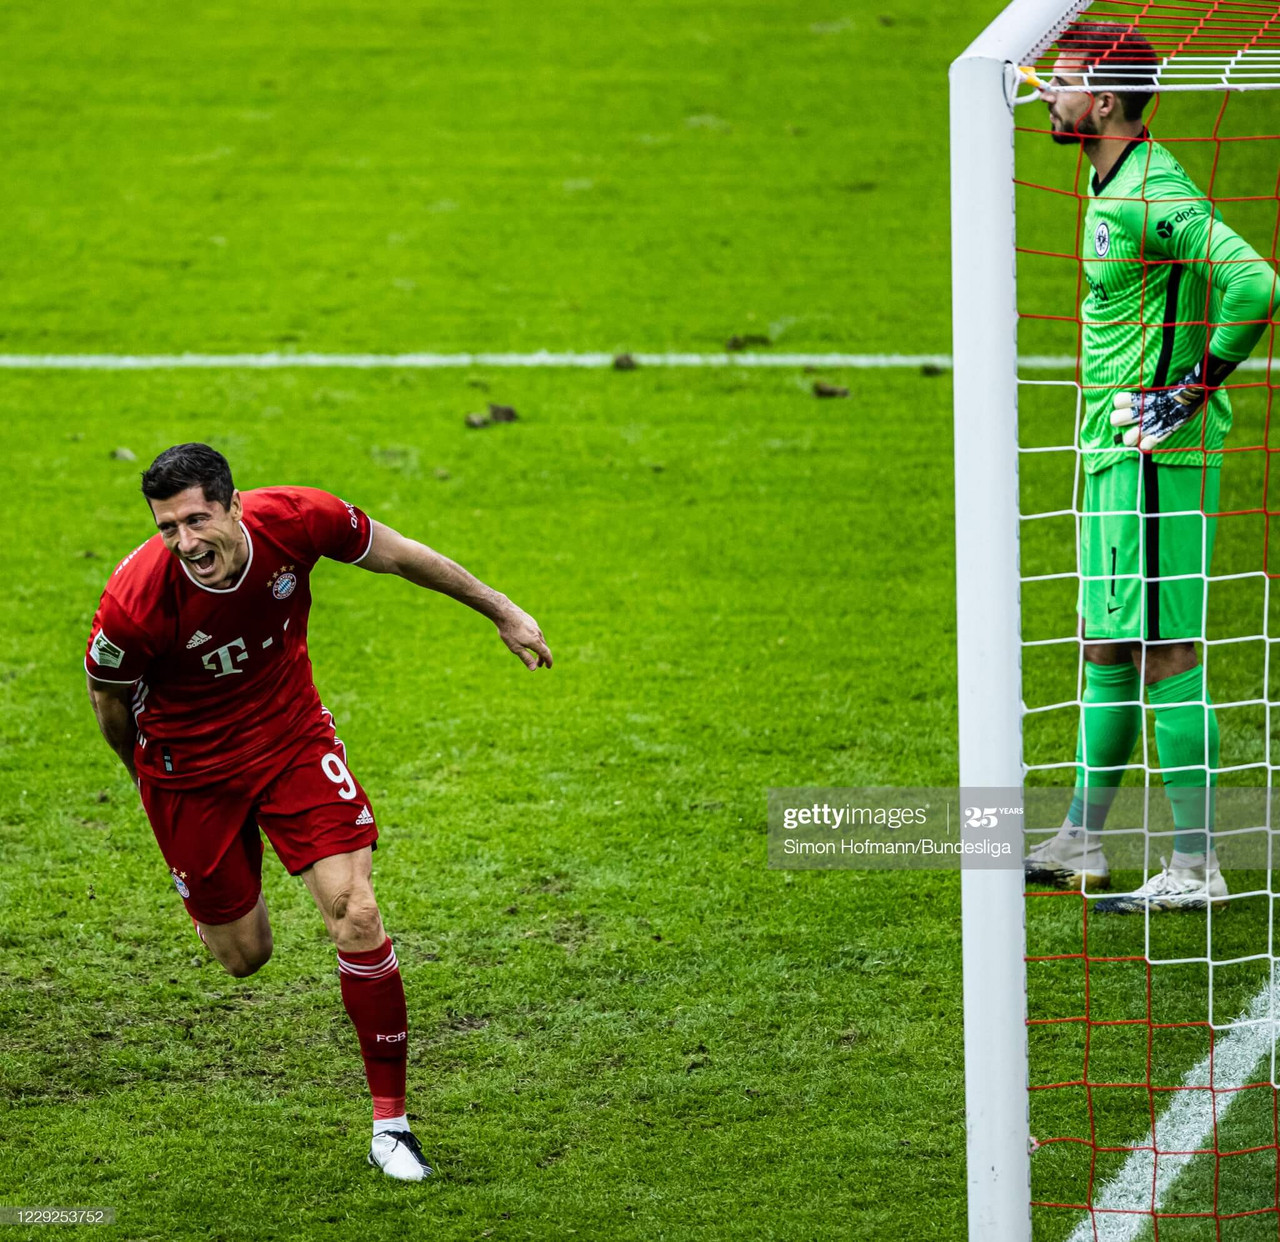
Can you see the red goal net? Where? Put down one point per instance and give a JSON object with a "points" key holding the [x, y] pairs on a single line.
{"points": [[1153, 1102]]}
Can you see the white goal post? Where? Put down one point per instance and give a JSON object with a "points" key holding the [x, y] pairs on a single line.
{"points": [[989, 663], [984, 82]]}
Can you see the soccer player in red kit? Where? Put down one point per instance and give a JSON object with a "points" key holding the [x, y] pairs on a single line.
{"points": [[201, 684]]}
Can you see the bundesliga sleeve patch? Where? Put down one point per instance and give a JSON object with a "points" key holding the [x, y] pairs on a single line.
{"points": [[104, 652]]}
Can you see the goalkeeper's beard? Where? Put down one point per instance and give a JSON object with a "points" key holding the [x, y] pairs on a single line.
{"points": [[1084, 130]]}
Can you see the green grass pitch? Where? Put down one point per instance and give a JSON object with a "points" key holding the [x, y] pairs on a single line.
{"points": [[621, 1022], [622, 1025]]}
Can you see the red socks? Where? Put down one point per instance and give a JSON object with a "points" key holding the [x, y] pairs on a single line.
{"points": [[373, 994]]}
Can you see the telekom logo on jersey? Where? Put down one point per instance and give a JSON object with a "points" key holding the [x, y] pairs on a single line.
{"points": [[222, 662]]}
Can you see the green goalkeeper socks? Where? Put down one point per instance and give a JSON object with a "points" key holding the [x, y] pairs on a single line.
{"points": [[1187, 738], [1110, 725]]}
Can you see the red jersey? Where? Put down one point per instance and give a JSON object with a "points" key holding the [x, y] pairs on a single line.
{"points": [[221, 678]]}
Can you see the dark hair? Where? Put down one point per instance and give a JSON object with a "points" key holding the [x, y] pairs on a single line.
{"points": [[1100, 44], [189, 465]]}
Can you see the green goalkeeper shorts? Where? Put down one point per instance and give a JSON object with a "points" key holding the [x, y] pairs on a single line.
{"points": [[1145, 549]]}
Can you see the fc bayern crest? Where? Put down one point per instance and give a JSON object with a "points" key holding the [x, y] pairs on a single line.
{"points": [[283, 586], [1102, 240], [183, 890]]}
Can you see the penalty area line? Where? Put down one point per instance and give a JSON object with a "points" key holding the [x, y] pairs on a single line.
{"points": [[1124, 1207]]}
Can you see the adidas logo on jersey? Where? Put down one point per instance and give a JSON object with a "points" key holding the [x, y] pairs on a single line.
{"points": [[364, 817], [197, 638]]}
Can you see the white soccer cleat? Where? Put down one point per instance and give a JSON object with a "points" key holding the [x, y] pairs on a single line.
{"points": [[1172, 888], [397, 1154], [1068, 861]]}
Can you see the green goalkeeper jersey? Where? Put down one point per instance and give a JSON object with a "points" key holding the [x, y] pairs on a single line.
{"points": [[1165, 275]]}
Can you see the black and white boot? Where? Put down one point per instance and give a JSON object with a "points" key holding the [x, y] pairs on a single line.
{"points": [[397, 1154], [1069, 861]]}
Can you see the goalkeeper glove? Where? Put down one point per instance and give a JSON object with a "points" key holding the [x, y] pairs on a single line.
{"points": [[1152, 417]]}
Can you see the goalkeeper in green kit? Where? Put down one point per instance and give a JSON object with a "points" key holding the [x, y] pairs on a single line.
{"points": [[1176, 302]]}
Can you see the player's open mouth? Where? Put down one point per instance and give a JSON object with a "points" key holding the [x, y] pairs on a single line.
{"points": [[203, 564]]}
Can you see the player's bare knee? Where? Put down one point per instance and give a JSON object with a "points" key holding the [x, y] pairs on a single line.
{"points": [[242, 965], [339, 903], [361, 922], [1106, 653], [1169, 659], [240, 959]]}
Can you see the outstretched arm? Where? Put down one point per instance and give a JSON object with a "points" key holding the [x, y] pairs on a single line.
{"points": [[392, 553], [115, 718]]}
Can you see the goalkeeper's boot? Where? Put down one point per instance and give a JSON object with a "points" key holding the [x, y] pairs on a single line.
{"points": [[397, 1154], [1068, 861], [1172, 888]]}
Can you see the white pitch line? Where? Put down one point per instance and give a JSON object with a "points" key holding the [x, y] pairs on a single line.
{"points": [[543, 358], [277, 361], [1186, 1125]]}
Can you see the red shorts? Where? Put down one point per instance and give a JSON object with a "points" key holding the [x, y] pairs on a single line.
{"points": [[306, 801]]}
